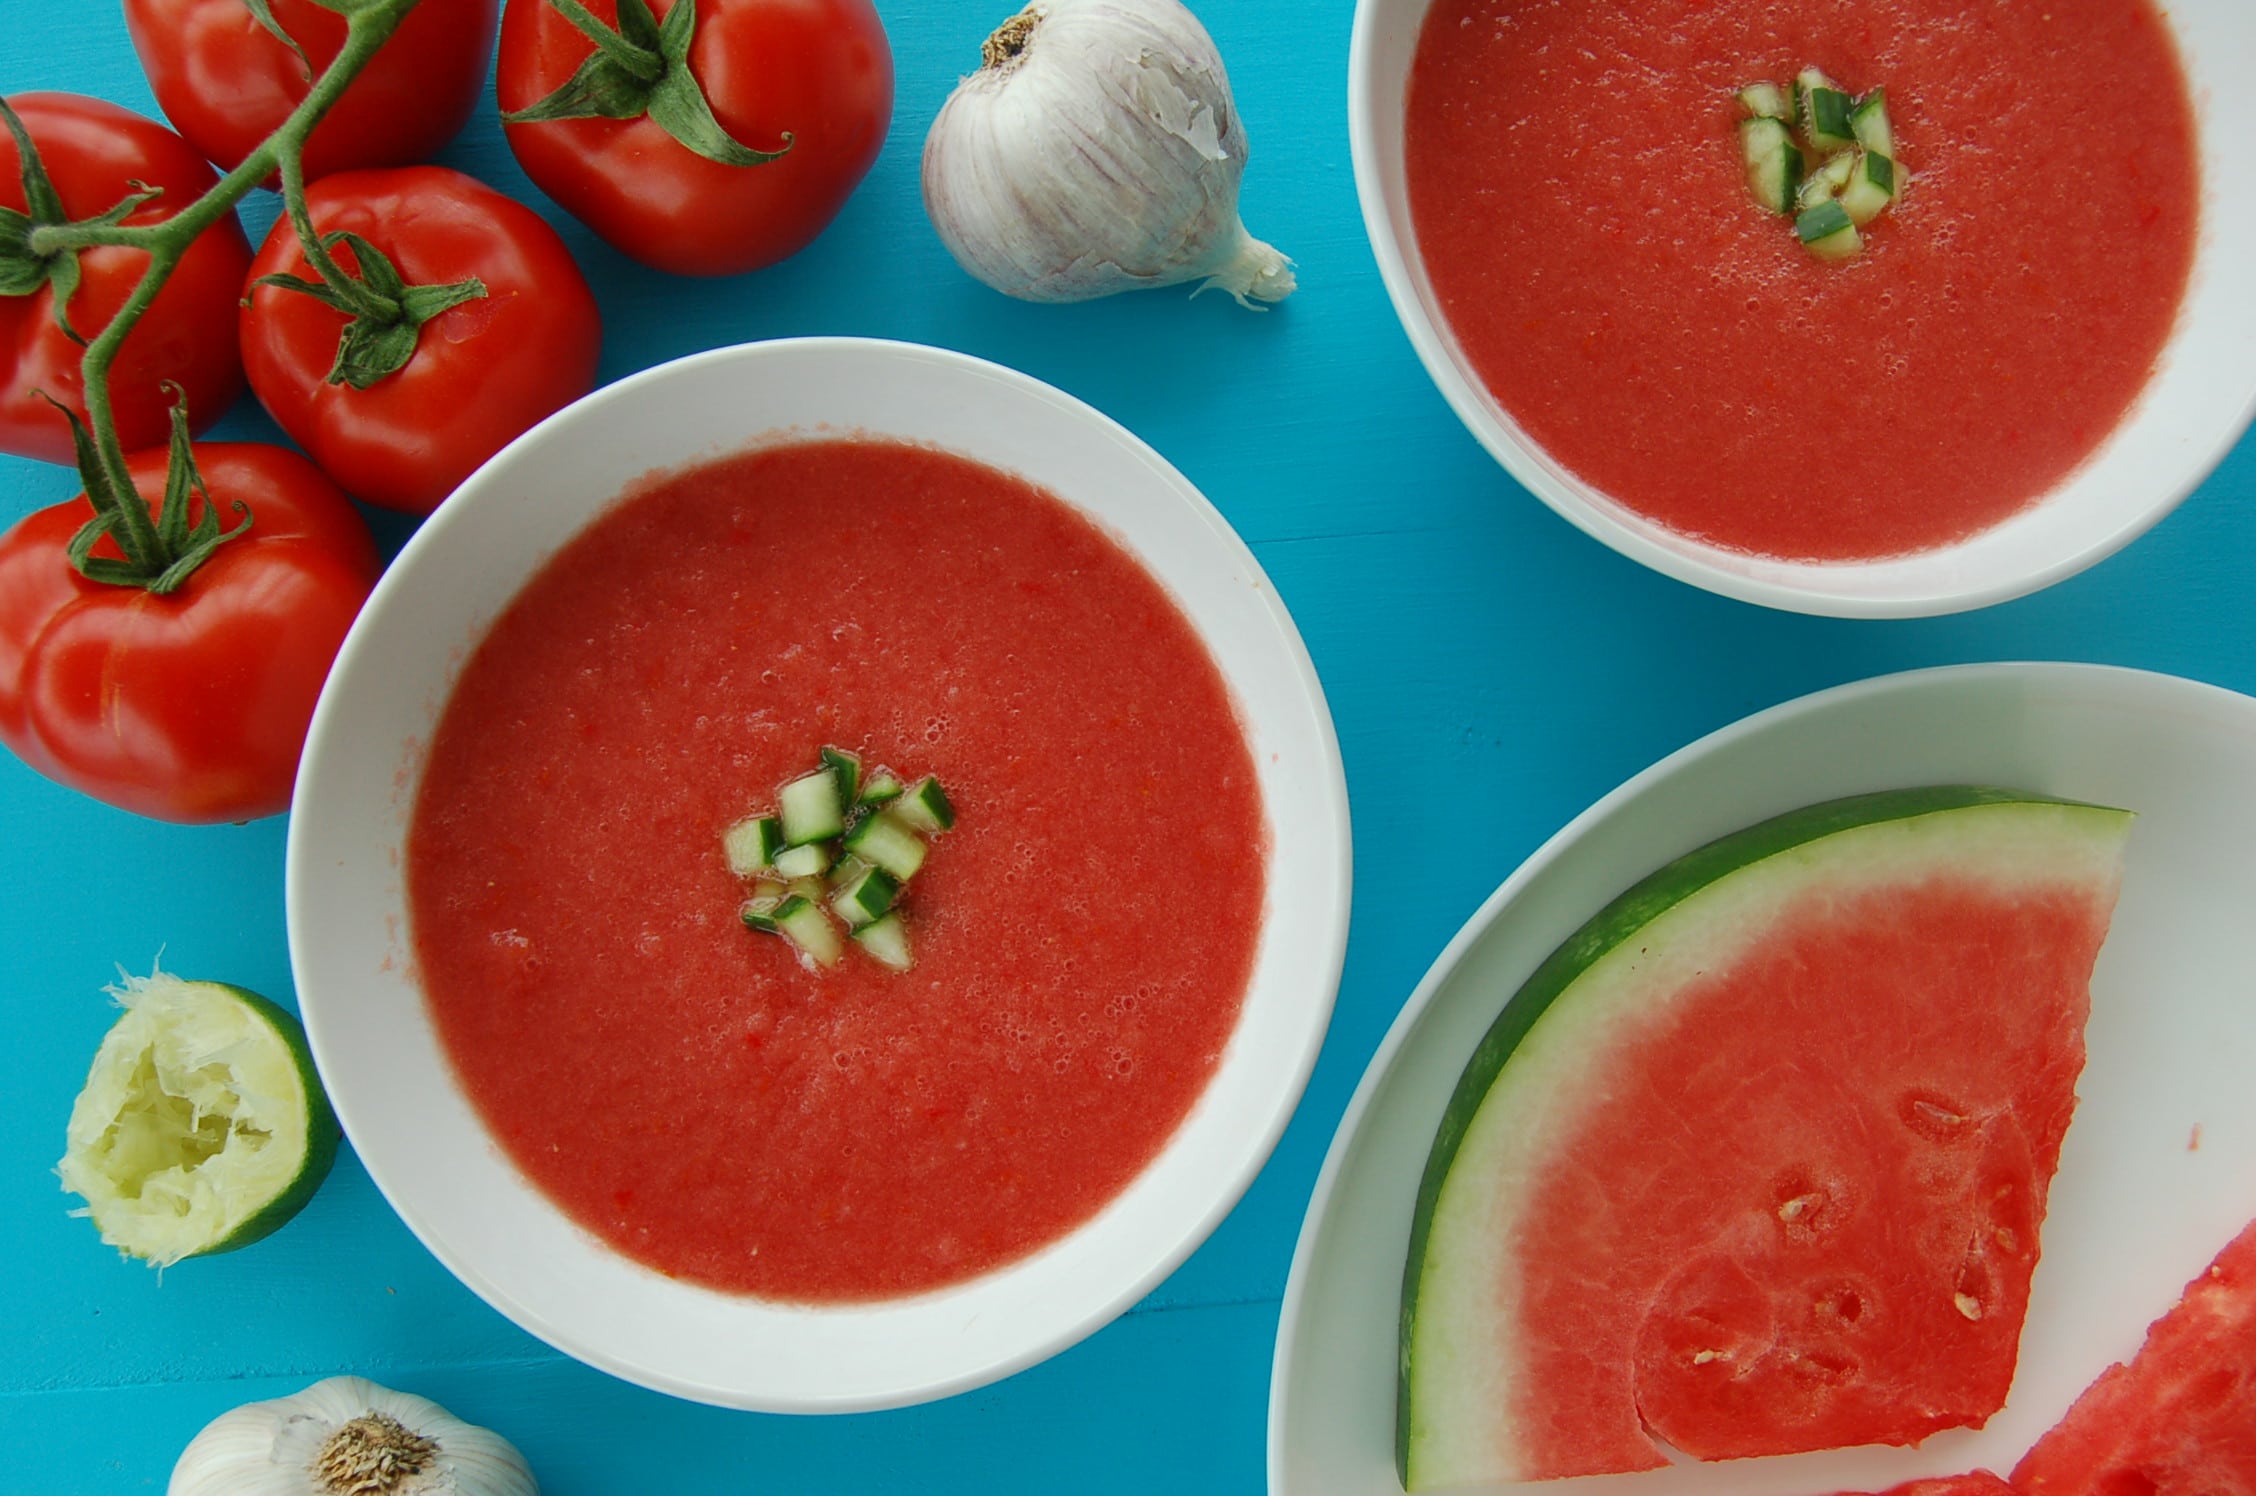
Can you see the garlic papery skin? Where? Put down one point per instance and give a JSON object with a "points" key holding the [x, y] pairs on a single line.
{"points": [[348, 1437], [1097, 150]]}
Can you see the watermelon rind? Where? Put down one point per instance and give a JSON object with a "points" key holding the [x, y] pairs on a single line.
{"points": [[1455, 1399]]}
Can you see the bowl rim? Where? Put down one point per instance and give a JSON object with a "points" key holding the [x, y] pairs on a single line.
{"points": [[1688, 559], [1324, 936]]}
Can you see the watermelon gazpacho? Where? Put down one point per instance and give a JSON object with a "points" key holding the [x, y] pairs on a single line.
{"points": [[1755, 1162], [585, 907], [1790, 376]]}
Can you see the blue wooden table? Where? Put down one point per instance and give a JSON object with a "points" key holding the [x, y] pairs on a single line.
{"points": [[1457, 625]]}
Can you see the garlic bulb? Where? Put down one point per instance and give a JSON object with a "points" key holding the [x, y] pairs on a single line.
{"points": [[1097, 150], [348, 1437]]}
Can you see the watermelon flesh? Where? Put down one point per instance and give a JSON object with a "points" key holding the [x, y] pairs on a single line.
{"points": [[1763, 1171], [2180, 1419], [1977, 1483]]}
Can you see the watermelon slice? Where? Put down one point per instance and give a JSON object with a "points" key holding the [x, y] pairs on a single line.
{"points": [[1755, 1162], [2180, 1420], [1976, 1483]]}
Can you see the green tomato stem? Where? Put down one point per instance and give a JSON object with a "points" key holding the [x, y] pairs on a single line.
{"points": [[638, 62], [359, 299], [368, 25]]}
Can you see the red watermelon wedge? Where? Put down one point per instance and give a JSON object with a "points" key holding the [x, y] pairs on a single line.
{"points": [[1977, 1483], [2180, 1419], [1754, 1163]]}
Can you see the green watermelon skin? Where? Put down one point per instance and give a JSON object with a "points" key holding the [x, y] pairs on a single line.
{"points": [[1975, 1483], [1777, 1205], [2180, 1419]]}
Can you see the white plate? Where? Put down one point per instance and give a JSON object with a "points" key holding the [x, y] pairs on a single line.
{"points": [[2159, 1167], [371, 1032]]}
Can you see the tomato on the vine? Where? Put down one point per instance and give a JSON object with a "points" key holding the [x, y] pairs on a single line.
{"points": [[190, 705], [811, 79], [474, 375], [97, 156], [226, 81]]}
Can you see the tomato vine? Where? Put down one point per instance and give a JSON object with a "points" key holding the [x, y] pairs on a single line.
{"points": [[155, 546]]}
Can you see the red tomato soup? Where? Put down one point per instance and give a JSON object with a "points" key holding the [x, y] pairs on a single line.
{"points": [[681, 1085], [1582, 209]]}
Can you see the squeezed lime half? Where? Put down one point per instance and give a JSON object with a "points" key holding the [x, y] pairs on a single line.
{"points": [[202, 1126]]}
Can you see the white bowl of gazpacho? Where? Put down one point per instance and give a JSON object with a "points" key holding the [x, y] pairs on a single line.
{"points": [[1620, 238], [819, 876]]}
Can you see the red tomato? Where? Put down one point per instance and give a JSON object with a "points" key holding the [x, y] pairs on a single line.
{"points": [[192, 706], [481, 373], [226, 82], [818, 70], [94, 152]]}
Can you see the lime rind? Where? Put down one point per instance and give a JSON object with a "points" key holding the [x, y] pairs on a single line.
{"points": [[202, 1126]]}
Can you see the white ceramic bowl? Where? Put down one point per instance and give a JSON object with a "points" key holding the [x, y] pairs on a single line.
{"points": [[349, 926], [2193, 410], [2158, 1170]]}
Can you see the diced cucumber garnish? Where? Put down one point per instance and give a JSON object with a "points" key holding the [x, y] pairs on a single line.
{"points": [[1827, 232], [867, 897], [1822, 108], [883, 839], [805, 877], [809, 861], [1869, 123], [926, 808], [807, 927], [1765, 101], [1870, 188], [1858, 177], [848, 768], [1774, 163], [812, 808], [887, 941]]}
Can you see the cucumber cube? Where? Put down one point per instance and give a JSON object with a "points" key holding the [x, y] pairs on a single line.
{"points": [[809, 861], [886, 941], [1827, 232], [1871, 187], [1823, 110], [751, 844], [884, 840], [848, 768], [812, 808], [1774, 165], [867, 897], [1869, 123], [926, 808]]}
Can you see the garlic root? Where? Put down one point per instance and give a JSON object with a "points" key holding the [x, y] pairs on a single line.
{"points": [[348, 1437]]}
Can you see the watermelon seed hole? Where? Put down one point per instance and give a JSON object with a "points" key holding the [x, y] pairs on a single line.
{"points": [[1933, 1116], [1844, 1304], [1824, 1367], [1806, 1209], [1974, 1286]]}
